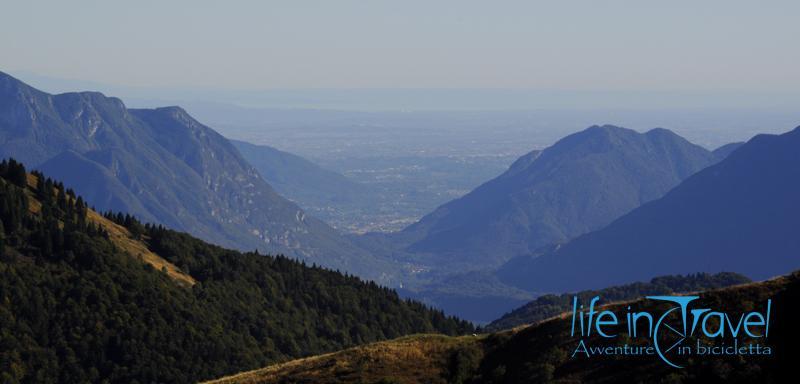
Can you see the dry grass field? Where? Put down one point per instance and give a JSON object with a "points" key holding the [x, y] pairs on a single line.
{"points": [[410, 359], [122, 238]]}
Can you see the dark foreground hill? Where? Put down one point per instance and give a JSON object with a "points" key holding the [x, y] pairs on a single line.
{"points": [[542, 353], [579, 184], [163, 166], [740, 215], [547, 306], [91, 298]]}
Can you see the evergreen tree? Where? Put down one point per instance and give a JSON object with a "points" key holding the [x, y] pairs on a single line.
{"points": [[77, 307]]}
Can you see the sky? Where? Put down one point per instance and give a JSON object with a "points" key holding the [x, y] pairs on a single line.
{"points": [[712, 48]]}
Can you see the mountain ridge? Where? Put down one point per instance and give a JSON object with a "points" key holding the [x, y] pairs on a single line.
{"points": [[164, 166], [580, 183], [737, 215]]}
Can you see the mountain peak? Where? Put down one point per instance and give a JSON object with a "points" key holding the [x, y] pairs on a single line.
{"points": [[594, 139], [165, 166], [605, 131], [660, 132], [606, 128], [715, 220], [579, 184], [11, 85]]}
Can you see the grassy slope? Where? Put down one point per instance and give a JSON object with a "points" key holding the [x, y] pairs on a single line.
{"points": [[121, 237], [411, 359], [540, 352]]}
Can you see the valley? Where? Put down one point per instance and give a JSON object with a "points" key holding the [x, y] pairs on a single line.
{"points": [[480, 223], [383, 192], [419, 159]]}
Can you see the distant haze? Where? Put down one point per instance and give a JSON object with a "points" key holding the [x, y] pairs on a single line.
{"points": [[518, 54]]}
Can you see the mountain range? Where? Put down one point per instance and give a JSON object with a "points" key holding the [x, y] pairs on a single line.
{"points": [[579, 184], [603, 204], [740, 215], [88, 296], [163, 166]]}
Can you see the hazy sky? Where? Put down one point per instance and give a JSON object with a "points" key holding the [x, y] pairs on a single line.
{"points": [[555, 45]]}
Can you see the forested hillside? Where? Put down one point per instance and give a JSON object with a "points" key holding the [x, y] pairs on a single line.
{"points": [[542, 353], [551, 305], [80, 299]]}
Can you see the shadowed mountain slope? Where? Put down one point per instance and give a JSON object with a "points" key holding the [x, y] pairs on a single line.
{"points": [[163, 166], [740, 215], [579, 184]]}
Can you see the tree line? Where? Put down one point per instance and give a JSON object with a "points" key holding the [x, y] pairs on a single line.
{"points": [[75, 307]]}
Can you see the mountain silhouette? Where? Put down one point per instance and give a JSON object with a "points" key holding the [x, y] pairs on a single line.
{"points": [[163, 166], [579, 184], [740, 215]]}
